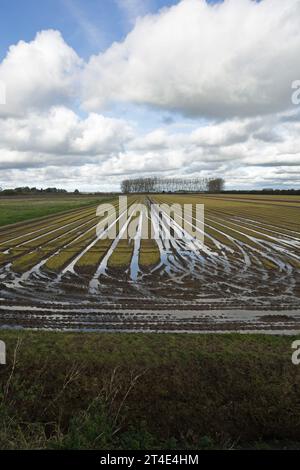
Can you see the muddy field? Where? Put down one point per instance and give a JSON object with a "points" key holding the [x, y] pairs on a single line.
{"points": [[59, 273]]}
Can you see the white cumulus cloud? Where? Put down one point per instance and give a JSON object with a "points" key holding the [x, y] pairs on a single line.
{"points": [[236, 58], [62, 132], [39, 74]]}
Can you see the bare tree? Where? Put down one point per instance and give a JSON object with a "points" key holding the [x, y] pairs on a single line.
{"points": [[173, 185], [216, 185]]}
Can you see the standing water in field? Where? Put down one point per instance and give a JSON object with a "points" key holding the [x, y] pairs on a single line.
{"points": [[63, 273]]}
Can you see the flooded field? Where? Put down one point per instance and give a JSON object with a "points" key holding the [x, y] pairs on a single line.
{"points": [[61, 273]]}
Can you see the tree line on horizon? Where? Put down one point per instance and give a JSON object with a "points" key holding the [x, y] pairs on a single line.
{"points": [[24, 190], [172, 185]]}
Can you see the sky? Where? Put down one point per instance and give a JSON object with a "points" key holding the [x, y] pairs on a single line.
{"points": [[101, 90]]}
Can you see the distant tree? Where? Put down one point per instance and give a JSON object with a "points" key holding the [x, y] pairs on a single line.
{"points": [[24, 190], [216, 185]]}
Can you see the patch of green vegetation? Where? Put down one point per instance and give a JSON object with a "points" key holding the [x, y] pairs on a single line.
{"points": [[122, 254], [57, 262], [137, 391], [149, 253], [19, 209], [93, 257], [28, 260]]}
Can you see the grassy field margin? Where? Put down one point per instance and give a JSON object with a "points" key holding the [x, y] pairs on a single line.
{"points": [[20, 209], [137, 391]]}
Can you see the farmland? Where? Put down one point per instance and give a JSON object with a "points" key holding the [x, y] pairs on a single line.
{"points": [[239, 272], [59, 273]]}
